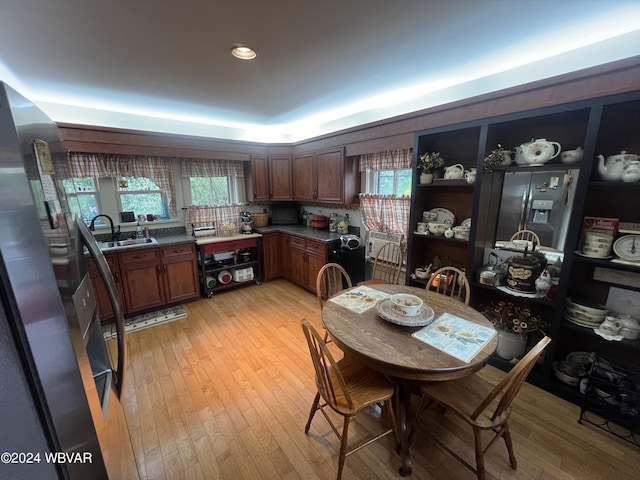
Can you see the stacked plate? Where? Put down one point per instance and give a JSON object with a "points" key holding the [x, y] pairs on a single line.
{"points": [[583, 314]]}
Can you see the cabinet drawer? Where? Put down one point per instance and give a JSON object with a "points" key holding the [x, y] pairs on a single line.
{"points": [[316, 249], [178, 250], [230, 245], [140, 255], [112, 261], [297, 242]]}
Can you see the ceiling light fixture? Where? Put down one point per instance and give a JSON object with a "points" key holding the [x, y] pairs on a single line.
{"points": [[243, 52]]}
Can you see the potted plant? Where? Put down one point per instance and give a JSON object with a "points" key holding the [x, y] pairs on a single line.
{"points": [[428, 164], [514, 322]]}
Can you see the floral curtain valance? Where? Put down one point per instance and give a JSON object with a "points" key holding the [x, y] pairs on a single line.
{"points": [[387, 160], [101, 165], [202, 167]]}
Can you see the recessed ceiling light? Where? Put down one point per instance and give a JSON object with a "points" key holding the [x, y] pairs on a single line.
{"points": [[243, 52]]}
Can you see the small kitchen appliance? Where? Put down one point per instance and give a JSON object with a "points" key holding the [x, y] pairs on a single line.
{"points": [[246, 222]]}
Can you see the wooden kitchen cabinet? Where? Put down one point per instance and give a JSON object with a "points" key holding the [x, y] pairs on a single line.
{"points": [[306, 258], [180, 272], [325, 177], [141, 272], [275, 263], [147, 278], [269, 178], [100, 290]]}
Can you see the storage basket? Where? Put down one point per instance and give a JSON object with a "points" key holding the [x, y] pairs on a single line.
{"points": [[260, 219]]}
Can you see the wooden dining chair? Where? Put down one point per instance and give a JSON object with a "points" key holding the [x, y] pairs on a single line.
{"points": [[386, 265], [450, 281], [529, 235], [481, 405], [346, 387], [331, 279]]}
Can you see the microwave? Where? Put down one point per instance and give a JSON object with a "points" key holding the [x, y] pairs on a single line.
{"points": [[284, 214]]}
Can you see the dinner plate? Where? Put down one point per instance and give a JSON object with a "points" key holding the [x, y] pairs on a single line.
{"points": [[425, 317], [581, 323], [466, 223], [444, 216]]}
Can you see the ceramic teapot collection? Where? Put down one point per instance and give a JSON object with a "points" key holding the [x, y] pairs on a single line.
{"points": [[615, 166], [536, 152]]}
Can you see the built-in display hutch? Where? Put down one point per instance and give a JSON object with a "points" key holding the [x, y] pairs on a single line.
{"points": [[600, 126]]}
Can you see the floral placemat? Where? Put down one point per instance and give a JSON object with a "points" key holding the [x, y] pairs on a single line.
{"points": [[456, 336], [360, 299]]}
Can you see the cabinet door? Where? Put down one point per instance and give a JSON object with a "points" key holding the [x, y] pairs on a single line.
{"points": [[142, 285], [181, 279], [180, 272], [330, 177], [316, 258], [280, 178], [304, 174], [298, 269], [272, 246], [100, 290], [260, 178]]}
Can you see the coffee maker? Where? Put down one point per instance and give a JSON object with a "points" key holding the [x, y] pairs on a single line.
{"points": [[246, 224]]}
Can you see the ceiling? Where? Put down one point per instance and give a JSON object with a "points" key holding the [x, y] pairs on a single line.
{"points": [[164, 65]]}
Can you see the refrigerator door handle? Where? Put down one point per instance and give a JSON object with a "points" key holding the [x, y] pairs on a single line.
{"points": [[89, 241], [524, 209]]}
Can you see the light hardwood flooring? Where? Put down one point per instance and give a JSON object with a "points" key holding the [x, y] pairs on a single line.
{"points": [[225, 394]]}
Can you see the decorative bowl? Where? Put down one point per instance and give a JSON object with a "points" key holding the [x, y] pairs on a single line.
{"points": [[405, 304]]}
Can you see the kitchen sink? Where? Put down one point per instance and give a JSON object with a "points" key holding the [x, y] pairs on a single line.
{"points": [[132, 242]]}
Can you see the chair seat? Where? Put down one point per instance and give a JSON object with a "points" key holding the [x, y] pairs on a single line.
{"points": [[461, 396], [365, 386]]}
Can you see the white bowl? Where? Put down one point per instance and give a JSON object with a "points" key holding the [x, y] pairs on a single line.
{"points": [[601, 238], [437, 228], [405, 304]]}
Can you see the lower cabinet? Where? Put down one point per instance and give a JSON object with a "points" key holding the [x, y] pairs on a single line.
{"points": [[148, 278], [275, 264], [306, 258]]}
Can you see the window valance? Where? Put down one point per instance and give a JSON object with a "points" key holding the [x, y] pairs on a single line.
{"points": [[387, 160]]}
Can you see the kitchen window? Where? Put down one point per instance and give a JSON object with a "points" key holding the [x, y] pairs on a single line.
{"points": [[82, 197], [389, 182], [140, 195], [213, 183]]}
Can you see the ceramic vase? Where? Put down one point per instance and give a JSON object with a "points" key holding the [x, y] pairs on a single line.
{"points": [[426, 178], [511, 344]]}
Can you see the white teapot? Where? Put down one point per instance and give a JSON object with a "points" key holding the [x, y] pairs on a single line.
{"points": [[537, 152], [454, 171], [613, 168]]}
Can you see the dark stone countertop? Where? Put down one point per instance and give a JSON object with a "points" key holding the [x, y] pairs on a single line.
{"points": [[302, 231]]}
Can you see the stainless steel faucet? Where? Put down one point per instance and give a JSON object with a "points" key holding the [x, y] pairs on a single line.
{"points": [[114, 235]]}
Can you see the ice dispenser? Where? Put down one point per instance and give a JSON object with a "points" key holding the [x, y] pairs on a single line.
{"points": [[541, 210]]}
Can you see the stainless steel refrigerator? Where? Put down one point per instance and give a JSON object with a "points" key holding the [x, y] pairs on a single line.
{"points": [[60, 389], [540, 201]]}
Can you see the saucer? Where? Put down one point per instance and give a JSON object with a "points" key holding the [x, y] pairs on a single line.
{"points": [[592, 256], [425, 317]]}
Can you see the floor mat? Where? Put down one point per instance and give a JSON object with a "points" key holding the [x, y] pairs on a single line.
{"points": [[146, 320]]}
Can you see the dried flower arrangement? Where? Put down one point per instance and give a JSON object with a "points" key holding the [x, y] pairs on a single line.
{"points": [[498, 157], [430, 162], [513, 318]]}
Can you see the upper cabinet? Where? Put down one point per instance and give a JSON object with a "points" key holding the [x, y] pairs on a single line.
{"points": [[269, 178], [325, 177]]}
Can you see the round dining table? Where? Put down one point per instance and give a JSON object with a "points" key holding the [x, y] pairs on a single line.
{"points": [[393, 350]]}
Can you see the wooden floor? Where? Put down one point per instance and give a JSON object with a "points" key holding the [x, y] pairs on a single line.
{"points": [[225, 394]]}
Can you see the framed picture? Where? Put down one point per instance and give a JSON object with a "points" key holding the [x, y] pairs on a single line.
{"points": [[43, 155], [54, 212]]}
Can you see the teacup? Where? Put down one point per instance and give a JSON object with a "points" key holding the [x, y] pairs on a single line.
{"points": [[422, 227], [611, 326], [600, 238]]}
